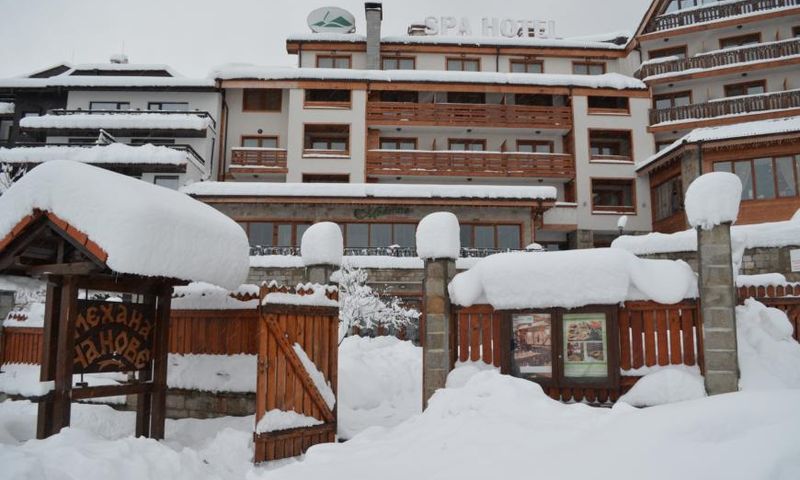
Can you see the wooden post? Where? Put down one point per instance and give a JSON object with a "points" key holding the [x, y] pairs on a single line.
{"points": [[64, 355], [144, 399], [47, 370], [160, 357]]}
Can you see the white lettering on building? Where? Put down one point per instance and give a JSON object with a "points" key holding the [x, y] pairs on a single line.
{"points": [[490, 27]]}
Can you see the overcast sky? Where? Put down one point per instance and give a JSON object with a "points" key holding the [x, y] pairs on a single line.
{"points": [[195, 35]]}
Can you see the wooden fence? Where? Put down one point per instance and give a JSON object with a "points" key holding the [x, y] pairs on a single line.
{"points": [[214, 332]]}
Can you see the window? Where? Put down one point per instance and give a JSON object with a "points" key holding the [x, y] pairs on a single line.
{"points": [[661, 145], [611, 145], [169, 106], [333, 61], [363, 235], [672, 100], [335, 138], [466, 97], [796, 32], [613, 195], [534, 100], [609, 105], [535, 146], [494, 237], [167, 181], [325, 178], [740, 40], [262, 100], [109, 106], [588, 68], [398, 63], [274, 234], [254, 141], [668, 198], [399, 96], [525, 65], [327, 96], [765, 178], [676, 5], [5, 129], [679, 52], [82, 141], [748, 88], [398, 143], [469, 145], [463, 64]]}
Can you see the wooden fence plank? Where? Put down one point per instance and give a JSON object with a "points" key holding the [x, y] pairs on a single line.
{"points": [[463, 336], [649, 337], [486, 337], [676, 356], [624, 340], [663, 341], [475, 337], [636, 339], [687, 327]]}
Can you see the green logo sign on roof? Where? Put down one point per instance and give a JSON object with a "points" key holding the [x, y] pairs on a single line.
{"points": [[331, 20]]}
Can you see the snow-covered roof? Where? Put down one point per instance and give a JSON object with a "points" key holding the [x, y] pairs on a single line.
{"points": [[759, 235], [68, 77], [253, 72], [116, 153], [156, 121], [143, 229], [570, 279], [6, 108], [366, 190], [593, 42], [728, 132]]}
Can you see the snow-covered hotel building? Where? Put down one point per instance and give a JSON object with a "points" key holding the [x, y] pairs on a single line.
{"points": [[65, 110]]}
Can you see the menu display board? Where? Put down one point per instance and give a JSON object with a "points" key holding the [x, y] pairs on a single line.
{"points": [[585, 337], [533, 349]]}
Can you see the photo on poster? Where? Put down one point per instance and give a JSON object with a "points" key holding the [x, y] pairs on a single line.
{"points": [[532, 347], [586, 345]]}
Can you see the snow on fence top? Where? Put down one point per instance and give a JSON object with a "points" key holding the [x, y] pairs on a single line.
{"points": [[144, 229], [204, 296], [253, 72], [728, 132], [114, 154], [593, 42], [6, 108], [713, 199], [438, 236], [157, 121], [759, 235], [310, 294], [571, 279], [365, 190], [322, 244]]}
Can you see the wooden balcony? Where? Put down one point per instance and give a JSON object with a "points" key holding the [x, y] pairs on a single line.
{"points": [[770, 51], [713, 12], [266, 160], [468, 115], [723, 107], [470, 164]]}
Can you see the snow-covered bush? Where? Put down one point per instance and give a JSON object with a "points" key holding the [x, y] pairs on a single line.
{"points": [[769, 358], [8, 175], [360, 306]]}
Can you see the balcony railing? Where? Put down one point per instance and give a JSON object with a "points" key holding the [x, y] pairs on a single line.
{"points": [[470, 164], [714, 12], [723, 107], [468, 114], [188, 149], [393, 251], [197, 113], [263, 158], [774, 50]]}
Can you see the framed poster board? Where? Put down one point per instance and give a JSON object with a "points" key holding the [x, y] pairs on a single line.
{"points": [[532, 351]]}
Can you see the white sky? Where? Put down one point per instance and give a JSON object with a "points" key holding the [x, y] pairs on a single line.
{"points": [[195, 35]]}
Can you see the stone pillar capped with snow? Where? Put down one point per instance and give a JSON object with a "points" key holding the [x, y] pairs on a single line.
{"points": [[438, 244], [321, 248], [712, 205]]}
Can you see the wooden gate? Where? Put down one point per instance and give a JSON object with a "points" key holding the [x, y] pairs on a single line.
{"points": [[297, 372]]}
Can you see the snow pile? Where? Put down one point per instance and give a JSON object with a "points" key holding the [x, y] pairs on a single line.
{"points": [[317, 377], [276, 420], [769, 358], [145, 229], [667, 385], [380, 383], [464, 371], [114, 154], [318, 297], [438, 236], [368, 190], [126, 121], [759, 235], [761, 280], [322, 244], [713, 199], [29, 316], [571, 279], [204, 296], [6, 108], [497, 426], [212, 373]]}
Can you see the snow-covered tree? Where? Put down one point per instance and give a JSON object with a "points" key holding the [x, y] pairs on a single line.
{"points": [[9, 175], [360, 306]]}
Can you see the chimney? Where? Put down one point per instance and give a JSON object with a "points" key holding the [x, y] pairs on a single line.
{"points": [[374, 14]]}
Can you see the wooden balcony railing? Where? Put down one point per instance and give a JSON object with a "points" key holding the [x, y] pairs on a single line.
{"points": [[769, 51], [470, 164], [263, 158], [468, 114], [714, 12], [732, 106]]}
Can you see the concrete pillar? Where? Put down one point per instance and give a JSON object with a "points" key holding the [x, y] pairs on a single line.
{"points": [[320, 274], [6, 305], [581, 239], [374, 14], [436, 340], [691, 167], [718, 306]]}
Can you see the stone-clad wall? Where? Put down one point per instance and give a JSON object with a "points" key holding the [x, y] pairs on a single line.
{"points": [[755, 261], [197, 404]]}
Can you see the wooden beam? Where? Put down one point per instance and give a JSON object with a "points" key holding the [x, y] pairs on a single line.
{"points": [[44, 418], [110, 390], [160, 352], [65, 352], [75, 268], [144, 399]]}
